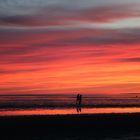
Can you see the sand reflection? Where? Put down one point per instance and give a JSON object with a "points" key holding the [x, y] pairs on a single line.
{"points": [[78, 109], [66, 111]]}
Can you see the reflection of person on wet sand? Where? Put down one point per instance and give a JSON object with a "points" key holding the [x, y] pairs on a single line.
{"points": [[78, 108]]}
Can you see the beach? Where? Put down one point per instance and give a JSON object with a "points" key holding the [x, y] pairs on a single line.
{"points": [[69, 69], [124, 126], [56, 117]]}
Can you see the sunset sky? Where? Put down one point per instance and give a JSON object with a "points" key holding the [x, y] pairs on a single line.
{"points": [[69, 46]]}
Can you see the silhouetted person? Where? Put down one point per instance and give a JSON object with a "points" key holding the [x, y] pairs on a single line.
{"points": [[77, 99], [78, 103], [80, 99]]}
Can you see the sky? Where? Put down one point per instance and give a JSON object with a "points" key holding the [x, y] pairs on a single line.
{"points": [[69, 46]]}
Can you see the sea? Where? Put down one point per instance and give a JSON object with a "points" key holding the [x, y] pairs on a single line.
{"points": [[65, 104]]}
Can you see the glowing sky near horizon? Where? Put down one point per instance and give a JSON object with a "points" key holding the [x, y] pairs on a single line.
{"points": [[69, 46]]}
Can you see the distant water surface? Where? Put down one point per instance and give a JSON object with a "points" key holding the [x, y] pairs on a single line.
{"points": [[65, 104]]}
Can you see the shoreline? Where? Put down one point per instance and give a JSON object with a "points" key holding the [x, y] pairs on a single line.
{"points": [[68, 115], [67, 111], [74, 115], [71, 116]]}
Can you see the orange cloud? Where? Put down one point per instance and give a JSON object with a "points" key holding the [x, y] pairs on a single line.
{"points": [[69, 60]]}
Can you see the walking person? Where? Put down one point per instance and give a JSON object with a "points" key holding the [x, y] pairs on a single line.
{"points": [[80, 99], [78, 102], [77, 99]]}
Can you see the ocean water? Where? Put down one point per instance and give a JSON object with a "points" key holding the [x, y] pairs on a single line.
{"points": [[11, 105]]}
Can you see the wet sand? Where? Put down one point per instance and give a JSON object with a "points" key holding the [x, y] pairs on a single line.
{"points": [[71, 127], [66, 111]]}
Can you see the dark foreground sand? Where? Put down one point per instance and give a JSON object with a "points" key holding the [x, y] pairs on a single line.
{"points": [[71, 127]]}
